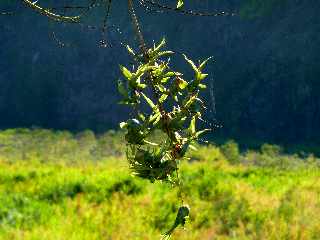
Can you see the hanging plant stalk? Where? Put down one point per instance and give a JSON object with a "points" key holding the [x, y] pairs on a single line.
{"points": [[163, 101]]}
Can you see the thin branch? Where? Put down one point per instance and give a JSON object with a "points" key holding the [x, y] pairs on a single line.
{"points": [[182, 11], [59, 42], [68, 7], [137, 29], [105, 22], [48, 13], [6, 13]]}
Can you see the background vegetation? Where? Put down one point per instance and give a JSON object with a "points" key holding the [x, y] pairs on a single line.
{"points": [[76, 185], [265, 79], [59, 185]]}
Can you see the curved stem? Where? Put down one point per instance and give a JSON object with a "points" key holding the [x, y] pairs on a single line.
{"points": [[143, 47], [50, 14]]}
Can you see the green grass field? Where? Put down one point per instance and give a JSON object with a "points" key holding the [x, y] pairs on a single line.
{"points": [[56, 185]]}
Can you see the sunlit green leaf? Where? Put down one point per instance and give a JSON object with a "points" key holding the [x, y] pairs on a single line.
{"points": [[202, 86], [141, 116], [193, 147], [130, 51], [141, 86], [203, 64], [189, 101], [157, 119], [163, 98], [162, 44], [122, 89], [201, 76], [171, 74], [153, 117], [182, 83], [123, 125], [180, 4], [191, 63], [164, 53], [126, 73], [192, 127], [202, 132], [165, 79], [151, 143], [149, 101]]}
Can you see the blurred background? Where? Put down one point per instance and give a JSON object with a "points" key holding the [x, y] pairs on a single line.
{"points": [[264, 83]]}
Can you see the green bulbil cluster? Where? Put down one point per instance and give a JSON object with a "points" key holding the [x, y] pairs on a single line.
{"points": [[161, 99], [181, 218]]}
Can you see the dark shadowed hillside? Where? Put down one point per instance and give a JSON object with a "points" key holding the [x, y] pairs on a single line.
{"points": [[265, 75]]}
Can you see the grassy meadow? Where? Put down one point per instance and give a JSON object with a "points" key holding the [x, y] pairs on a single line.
{"points": [[58, 185]]}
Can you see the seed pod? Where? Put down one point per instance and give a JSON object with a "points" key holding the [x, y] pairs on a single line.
{"points": [[182, 215]]}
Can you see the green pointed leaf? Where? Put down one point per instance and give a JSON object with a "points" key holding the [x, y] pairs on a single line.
{"points": [[193, 147], [126, 73], [157, 120], [180, 4], [122, 89], [190, 101], [142, 117], [162, 44], [164, 53], [130, 51], [182, 83], [192, 127], [142, 86], [149, 101], [203, 64], [177, 136], [165, 79], [142, 70], [163, 98], [151, 143], [201, 76], [123, 125], [154, 117], [170, 74], [202, 132], [202, 86], [191, 63], [161, 88]]}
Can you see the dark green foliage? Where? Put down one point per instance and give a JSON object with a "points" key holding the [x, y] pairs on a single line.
{"points": [[231, 150], [126, 186], [57, 192], [263, 90], [258, 8], [271, 150]]}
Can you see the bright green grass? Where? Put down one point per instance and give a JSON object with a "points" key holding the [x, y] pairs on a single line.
{"points": [[103, 201], [56, 194]]}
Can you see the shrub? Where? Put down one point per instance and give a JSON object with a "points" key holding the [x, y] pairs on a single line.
{"points": [[271, 150], [231, 151], [208, 153]]}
